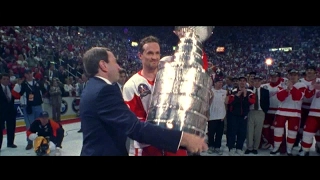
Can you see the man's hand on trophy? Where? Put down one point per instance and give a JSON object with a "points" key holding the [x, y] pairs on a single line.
{"points": [[193, 143]]}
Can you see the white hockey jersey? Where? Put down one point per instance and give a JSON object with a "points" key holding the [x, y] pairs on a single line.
{"points": [[23, 98], [274, 101], [137, 94], [315, 103], [306, 102], [291, 102]]}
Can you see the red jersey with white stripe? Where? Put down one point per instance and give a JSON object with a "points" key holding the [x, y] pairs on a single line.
{"points": [[137, 94], [274, 101], [306, 102], [291, 102], [314, 109]]}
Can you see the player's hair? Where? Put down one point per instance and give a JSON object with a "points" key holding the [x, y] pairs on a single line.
{"points": [[148, 39]]}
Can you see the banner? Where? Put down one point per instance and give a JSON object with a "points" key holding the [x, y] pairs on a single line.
{"points": [[285, 49], [69, 108], [19, 110]]}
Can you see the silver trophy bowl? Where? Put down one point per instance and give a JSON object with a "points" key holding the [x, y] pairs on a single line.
{"points": [[182, 90], [201, 32]]}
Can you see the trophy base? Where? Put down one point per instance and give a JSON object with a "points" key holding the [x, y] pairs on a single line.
{"points": [[177, 126]]}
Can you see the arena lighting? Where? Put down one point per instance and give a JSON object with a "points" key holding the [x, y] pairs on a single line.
{"points": [[220, 49], [134, 44], [269, 61]]}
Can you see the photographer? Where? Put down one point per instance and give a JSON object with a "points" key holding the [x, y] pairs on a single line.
{"points": [[43, 127], [33, 91]]}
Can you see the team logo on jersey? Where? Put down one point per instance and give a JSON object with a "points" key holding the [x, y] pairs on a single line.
{"points": [[64, 106], [143, 90]]}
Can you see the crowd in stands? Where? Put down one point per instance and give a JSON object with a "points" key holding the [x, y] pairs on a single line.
{"points": [[245, 48]]}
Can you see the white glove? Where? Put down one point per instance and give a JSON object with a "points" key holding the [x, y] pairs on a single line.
{"points": [[52, 146], [33, 136]]}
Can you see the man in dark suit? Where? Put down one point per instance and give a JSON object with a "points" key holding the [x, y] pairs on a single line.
{"points": [[84, 83], [107, 121], [8, 112], [51, 73], [256, 116]]}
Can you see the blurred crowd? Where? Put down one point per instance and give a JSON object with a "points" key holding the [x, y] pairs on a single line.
{"points": [[245, 48]]}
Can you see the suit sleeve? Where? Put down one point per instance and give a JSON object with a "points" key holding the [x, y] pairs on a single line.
{"points": [[267, 100], [234, 99], [251, 98], [114, 112], [23, 89]]}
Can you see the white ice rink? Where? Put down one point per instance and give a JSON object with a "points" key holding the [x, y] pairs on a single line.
{"points": [[72, 143]]}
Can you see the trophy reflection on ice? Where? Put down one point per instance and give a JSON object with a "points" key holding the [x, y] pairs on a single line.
{"points": [[182, 89]]}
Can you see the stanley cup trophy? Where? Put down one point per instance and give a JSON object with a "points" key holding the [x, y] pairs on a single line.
{"points": [[182, 89]]}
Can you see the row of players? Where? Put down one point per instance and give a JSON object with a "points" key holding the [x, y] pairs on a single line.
{"points": [[295, 101]]}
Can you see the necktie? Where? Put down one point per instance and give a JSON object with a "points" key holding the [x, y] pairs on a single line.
{"points": [[256, 104], [6, 93]]}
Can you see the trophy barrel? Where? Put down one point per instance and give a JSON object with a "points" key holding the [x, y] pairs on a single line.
{"points": [[180, 99]]}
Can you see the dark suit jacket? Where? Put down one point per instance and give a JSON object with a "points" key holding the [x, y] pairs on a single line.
{"points": [[54, 75], [7, 109], [264, 99], [106, 122]]}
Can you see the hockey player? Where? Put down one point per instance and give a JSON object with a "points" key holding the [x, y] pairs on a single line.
{"points": [[312, 124], [274, 86], [290, 98], [310, 76], [138, 89]]}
